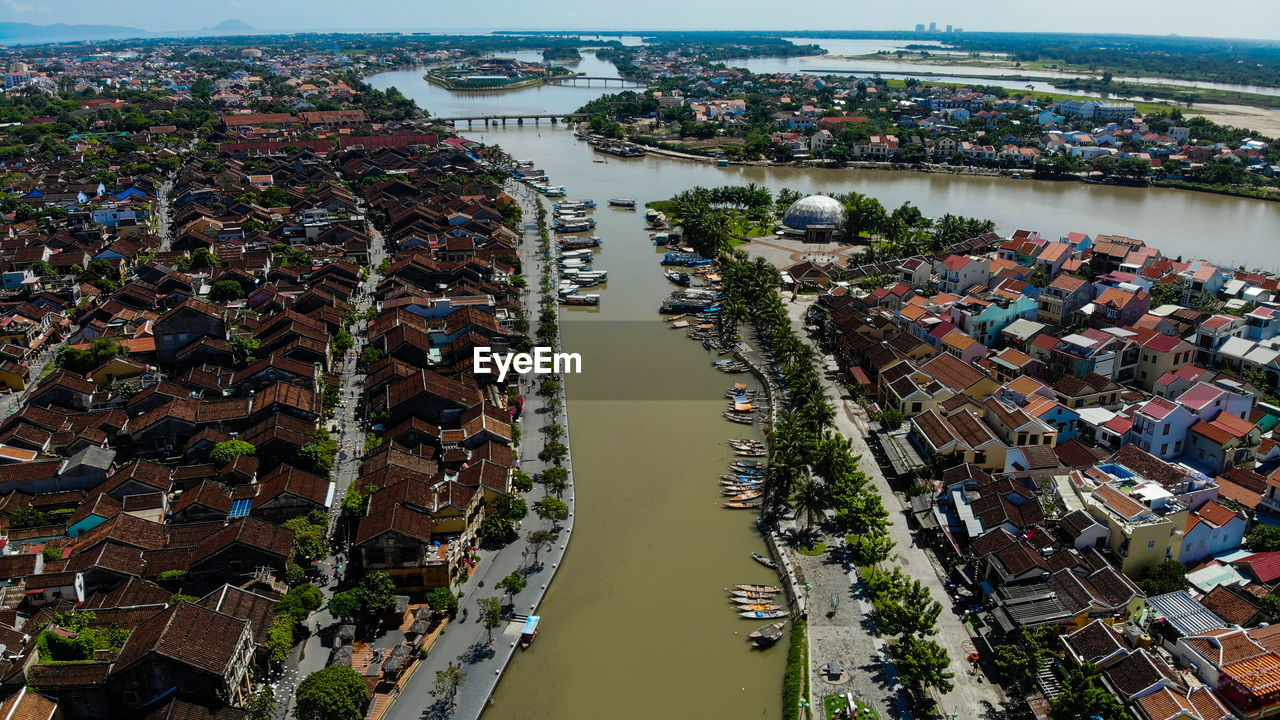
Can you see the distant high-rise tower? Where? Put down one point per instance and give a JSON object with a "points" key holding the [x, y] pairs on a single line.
{"points": [[959, 29], [919, 27], [933, 27], [948, 28]]}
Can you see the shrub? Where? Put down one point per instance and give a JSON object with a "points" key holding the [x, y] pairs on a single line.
{"points": [[793, 679]]}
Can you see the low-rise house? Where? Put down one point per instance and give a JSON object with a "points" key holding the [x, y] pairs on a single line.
{"points": [[1060, 300], [1211, 530], [205, 652], [1222, 443]]}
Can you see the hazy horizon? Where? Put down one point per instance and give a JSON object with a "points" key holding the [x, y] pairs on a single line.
{"points": [[1232, 19]]}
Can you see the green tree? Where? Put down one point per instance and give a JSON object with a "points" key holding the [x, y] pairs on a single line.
{"points": [[345, 604], [522, 482], [43, 269], [228, 450], [1040, 277], [512, 585], [556, 479], [261, 705], [83, 360], [26, 518], [913, 611], [553, 452], [890, 419], [447, 682], [377, 594], [442, 600], [244, 351], [551, 508], [300, 602], [1082, 698], [490, 614], [280, 638], [1262, 538], [539, 539], [334, 693], [225, 291], [1169, 576], [496, 530], [310, 539], [923, 662], [808, 500]]}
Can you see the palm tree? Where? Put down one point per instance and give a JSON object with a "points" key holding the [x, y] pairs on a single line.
{"points": [[808, 499]]}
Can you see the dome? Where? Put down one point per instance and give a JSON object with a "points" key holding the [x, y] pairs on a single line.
{"points": [[814, 210]]}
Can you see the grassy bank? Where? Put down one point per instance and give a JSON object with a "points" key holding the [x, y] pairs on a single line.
{"points": [[795, 683]]}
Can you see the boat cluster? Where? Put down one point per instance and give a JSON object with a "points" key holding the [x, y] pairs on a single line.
{"points": [[758, 602], [537, 179], [574, 261], [744, 484]]}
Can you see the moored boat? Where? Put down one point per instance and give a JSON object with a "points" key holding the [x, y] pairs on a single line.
{"points": [[767, 635], [739, 418], [763, 614], [758, 606], [743, 505], [623, 202], [764, 560], [751, 452], [758, 588]]}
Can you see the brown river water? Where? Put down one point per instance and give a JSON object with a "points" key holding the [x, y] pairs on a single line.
{"points": [[636, 622]]}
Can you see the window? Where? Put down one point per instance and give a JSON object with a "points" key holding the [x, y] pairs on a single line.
{"points": [[1164, 448], [915, 407], [1177, 447], [1151, 544], [1022, 439], [1165, 431]]}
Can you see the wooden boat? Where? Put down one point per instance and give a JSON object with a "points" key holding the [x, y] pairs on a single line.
{"points": [[767, 635], [678, 278], [530, 631], [743, 505], [758, 606], [752, 595], [763, 614], [742, 478], [754, 452], [764, 560], [739, 418], [746, 444], [623, 202], [742, 494], [758, 588]]}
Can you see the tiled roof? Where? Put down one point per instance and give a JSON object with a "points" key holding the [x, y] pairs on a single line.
{"points": [[1231, 606], [1095, 641], [202, 639]]}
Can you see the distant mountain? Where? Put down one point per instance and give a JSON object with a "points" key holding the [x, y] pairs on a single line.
{"points": [[229, 27], [18, 33]]}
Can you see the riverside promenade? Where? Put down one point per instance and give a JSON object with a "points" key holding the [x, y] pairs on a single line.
{"points": [[465, 643]]}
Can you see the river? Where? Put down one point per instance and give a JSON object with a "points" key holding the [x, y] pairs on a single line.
{"points": [[838, 62], [636, 623]]}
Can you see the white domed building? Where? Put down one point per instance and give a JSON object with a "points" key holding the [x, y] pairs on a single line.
{"points": [[816, 216]]}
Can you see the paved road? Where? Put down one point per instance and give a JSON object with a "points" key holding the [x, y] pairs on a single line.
{"points": [[465, 642]]}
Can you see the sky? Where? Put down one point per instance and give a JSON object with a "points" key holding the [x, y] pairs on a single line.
{"points": [[1222, 18]]}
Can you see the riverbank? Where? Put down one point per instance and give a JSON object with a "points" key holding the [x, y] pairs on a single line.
{"points": [[943, 169], [465, 641]]}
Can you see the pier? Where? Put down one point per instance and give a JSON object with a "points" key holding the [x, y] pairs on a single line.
{"points": [[502, 119]]}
